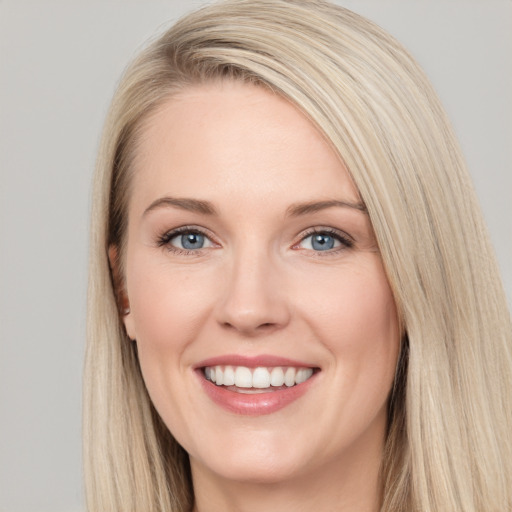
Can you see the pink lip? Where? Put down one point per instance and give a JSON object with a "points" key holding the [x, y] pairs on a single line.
{"points": [[252, 361], [253, 404]]}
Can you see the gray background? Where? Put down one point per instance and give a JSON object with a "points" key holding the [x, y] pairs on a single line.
{"points": [[59, 63]]}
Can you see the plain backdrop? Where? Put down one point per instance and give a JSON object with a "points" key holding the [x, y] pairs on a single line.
{"points": [[59, 64]]}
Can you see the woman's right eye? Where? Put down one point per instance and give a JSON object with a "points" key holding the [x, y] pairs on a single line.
{"points": [[185, 240]]}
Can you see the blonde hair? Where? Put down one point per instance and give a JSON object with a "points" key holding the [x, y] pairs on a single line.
{"points": [[450, 415]]}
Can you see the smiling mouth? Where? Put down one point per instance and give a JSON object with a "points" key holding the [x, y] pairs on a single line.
{"points": [[242, 379]]}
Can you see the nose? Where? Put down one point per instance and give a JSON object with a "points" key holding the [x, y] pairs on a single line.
{"points": [[254, 300]]}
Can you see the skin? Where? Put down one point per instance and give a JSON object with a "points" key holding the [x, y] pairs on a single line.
{"points": [[258, 286]]}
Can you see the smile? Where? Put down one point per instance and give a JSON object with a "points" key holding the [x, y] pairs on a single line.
{"points": [[255, 386], [243, 379]]}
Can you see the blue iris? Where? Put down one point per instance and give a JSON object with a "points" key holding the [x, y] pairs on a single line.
{"points": [[322, 242], [192, 241]]}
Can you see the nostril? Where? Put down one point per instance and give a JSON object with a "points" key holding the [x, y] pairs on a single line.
{"points": [[251, 330], [263, 326]]}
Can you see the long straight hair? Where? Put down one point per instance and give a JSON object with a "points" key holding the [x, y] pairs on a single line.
{"points": [[448, 445]]}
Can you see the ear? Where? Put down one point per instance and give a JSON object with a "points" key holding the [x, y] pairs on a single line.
{"points": [[123, 303]]}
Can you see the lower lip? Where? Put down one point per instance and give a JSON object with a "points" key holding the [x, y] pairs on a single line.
{"points": [[255, 404]]}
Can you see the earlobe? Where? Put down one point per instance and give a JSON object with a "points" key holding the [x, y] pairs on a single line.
{"points": [[123, 303]]}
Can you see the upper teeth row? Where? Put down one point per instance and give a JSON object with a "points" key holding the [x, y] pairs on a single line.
{"points": [[260, 377]]}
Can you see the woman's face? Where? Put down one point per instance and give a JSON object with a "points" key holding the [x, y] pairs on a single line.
{"points": [[250, 260]]}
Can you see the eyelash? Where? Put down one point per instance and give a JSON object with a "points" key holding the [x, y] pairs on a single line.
{"points": [[345, 241], [164, 240]]}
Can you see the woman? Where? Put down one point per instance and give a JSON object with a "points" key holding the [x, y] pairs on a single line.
{"points": [[293, 300]]}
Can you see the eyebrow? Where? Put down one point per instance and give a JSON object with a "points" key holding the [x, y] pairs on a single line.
{"points": [[191, 205], [298, 209], [207, 208]]}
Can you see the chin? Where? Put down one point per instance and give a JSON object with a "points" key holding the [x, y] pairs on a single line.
{"points": [[257, 472], [257, 462]]}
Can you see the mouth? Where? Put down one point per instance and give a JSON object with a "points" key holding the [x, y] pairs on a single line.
{"points": [[255, 386], [262, 379]]}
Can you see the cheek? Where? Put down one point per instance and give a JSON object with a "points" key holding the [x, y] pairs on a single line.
{"points": [[169, 308], [165, 301], [375, 346], [356, 319], [370, 320], [355, 306], [367, 317]]}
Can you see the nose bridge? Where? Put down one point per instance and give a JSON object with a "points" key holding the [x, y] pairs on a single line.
{"points": [[254, 300]]}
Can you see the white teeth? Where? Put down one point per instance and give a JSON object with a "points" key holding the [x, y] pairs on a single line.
{"points": [[289, 376], [243, 377], [218, 376], [303, 375], [259, 378], [229, 376], [277, 376]]}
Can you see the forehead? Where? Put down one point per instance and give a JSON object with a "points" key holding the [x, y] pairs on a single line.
{"points": [[236, 140]]}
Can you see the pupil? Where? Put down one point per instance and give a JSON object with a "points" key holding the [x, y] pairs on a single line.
{"points": [[323, 242], [192, 241]]}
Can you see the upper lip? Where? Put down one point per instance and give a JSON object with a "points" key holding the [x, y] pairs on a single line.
{"points": [[252, 361]]}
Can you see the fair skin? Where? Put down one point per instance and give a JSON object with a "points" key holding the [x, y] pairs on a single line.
{"points": [[275, 266]]}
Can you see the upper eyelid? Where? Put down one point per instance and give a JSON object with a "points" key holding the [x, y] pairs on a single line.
{"points": [[328, 230], [167, 236], [187, 229]]}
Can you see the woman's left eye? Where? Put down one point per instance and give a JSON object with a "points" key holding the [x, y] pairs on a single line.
{"points": [[323, 241]]}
